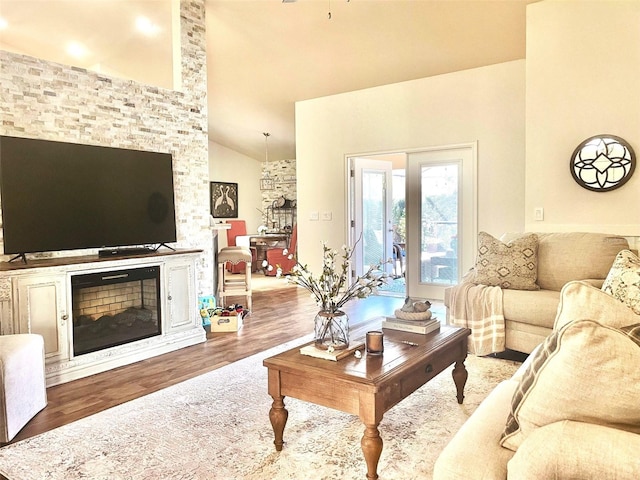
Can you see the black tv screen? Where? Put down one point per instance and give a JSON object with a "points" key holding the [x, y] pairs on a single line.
{"points": [[64, 196]]}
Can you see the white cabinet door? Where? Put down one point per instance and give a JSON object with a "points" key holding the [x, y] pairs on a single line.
{"points": [[180, 297], [42, 309]]}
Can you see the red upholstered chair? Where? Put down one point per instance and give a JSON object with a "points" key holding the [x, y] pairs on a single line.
{"points": [[239, 228], [276, 256]]}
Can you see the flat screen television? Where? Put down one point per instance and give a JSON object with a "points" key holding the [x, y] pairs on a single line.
{"points": [[65, 196]]}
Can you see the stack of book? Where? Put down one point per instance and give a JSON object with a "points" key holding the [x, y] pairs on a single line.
{"points": [[312, 351], [412, 326]]}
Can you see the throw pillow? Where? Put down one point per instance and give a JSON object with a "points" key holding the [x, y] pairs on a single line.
{"points": [[579, 300], [585, 372], [511, 265], [623, 280]]}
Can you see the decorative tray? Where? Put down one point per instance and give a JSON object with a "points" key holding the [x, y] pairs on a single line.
{"points": [[413, 315]]}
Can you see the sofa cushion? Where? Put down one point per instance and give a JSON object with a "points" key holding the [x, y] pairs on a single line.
{"points": [[507, 265], [534, 308], [586, 372], [523, 337], [623, 280], [581, 300], [568, 449], [563, 257]]}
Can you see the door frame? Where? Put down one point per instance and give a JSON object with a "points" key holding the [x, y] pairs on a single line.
{"points": [[467, 217], [468, 196], [355, 231]]}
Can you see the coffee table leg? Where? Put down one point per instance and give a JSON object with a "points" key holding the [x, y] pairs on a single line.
{"points": [[278, 416], [460, 375], [372, 448]]}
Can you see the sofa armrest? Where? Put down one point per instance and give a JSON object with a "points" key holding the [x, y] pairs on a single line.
{"points": [[594, 282], [474, 453], [568, 450]]}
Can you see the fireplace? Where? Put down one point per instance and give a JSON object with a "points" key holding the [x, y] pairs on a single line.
{"points": [[113, 308]]}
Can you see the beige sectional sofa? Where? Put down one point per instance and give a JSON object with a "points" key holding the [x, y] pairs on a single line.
{"points": [[561, 258], [572, 411]]}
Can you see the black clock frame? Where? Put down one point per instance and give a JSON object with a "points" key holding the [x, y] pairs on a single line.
{"points": [[581, 161]]}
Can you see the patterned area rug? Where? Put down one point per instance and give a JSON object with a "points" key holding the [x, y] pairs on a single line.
{"points": [[216, 426]]}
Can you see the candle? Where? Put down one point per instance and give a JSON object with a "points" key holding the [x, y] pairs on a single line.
{"points": [[374, 343]]}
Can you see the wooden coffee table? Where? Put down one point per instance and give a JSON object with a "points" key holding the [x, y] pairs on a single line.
{"points": [[368, 386]]}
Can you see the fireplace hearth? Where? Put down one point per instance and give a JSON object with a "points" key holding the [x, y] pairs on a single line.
{"points": [[116, 307]]}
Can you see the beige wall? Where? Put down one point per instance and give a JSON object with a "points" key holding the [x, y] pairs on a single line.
{"points": [[484, 105], [226, 165], [583, 65]]}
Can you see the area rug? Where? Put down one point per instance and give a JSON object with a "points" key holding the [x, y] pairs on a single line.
{"points": [[216, 426]]}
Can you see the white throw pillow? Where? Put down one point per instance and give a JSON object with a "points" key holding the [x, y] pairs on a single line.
{"points": [[580, 300], [585, 372], [623, 280]]}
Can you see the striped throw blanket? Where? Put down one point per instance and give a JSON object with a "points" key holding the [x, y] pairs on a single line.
{"points": [[479, 308]]}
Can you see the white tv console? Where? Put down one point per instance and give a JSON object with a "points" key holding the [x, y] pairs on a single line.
{"points": [[36, 298]]}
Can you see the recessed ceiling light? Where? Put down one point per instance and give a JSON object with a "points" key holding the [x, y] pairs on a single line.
{"points": [[3, 23], [146, 26], [76, 50]]}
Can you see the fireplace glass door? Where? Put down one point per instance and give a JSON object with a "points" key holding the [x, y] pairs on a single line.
{"points": [[114, 308]]}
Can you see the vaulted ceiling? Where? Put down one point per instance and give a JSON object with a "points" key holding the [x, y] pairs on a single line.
{"points": [[264, 55]]}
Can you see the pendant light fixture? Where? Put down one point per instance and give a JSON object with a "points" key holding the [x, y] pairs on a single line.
{"points": [[266, 182]]}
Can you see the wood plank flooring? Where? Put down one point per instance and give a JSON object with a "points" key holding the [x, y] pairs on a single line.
{"points": [[280, 313]]}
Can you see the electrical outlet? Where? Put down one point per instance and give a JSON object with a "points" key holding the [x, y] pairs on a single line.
{"points": [[538, 214]]}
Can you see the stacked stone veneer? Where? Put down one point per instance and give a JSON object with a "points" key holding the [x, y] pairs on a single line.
{"points": [[283, 173], [50, 101]]}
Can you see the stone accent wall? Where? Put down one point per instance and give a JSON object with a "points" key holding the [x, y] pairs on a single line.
{"points": [[283, 173], [50, 101]]}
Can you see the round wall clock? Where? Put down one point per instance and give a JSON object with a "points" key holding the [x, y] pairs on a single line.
{"points": [[602, 163]]}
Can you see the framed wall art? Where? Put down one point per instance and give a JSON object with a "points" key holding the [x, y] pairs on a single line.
{"points": [[224, 200]]}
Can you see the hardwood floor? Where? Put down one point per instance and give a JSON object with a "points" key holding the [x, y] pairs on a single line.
{"points": [[280, 313]]}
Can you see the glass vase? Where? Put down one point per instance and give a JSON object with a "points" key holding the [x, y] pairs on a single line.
{"points": [[331, 330]]}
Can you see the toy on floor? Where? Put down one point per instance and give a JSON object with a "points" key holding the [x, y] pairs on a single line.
{"points": [[234, 309]]}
